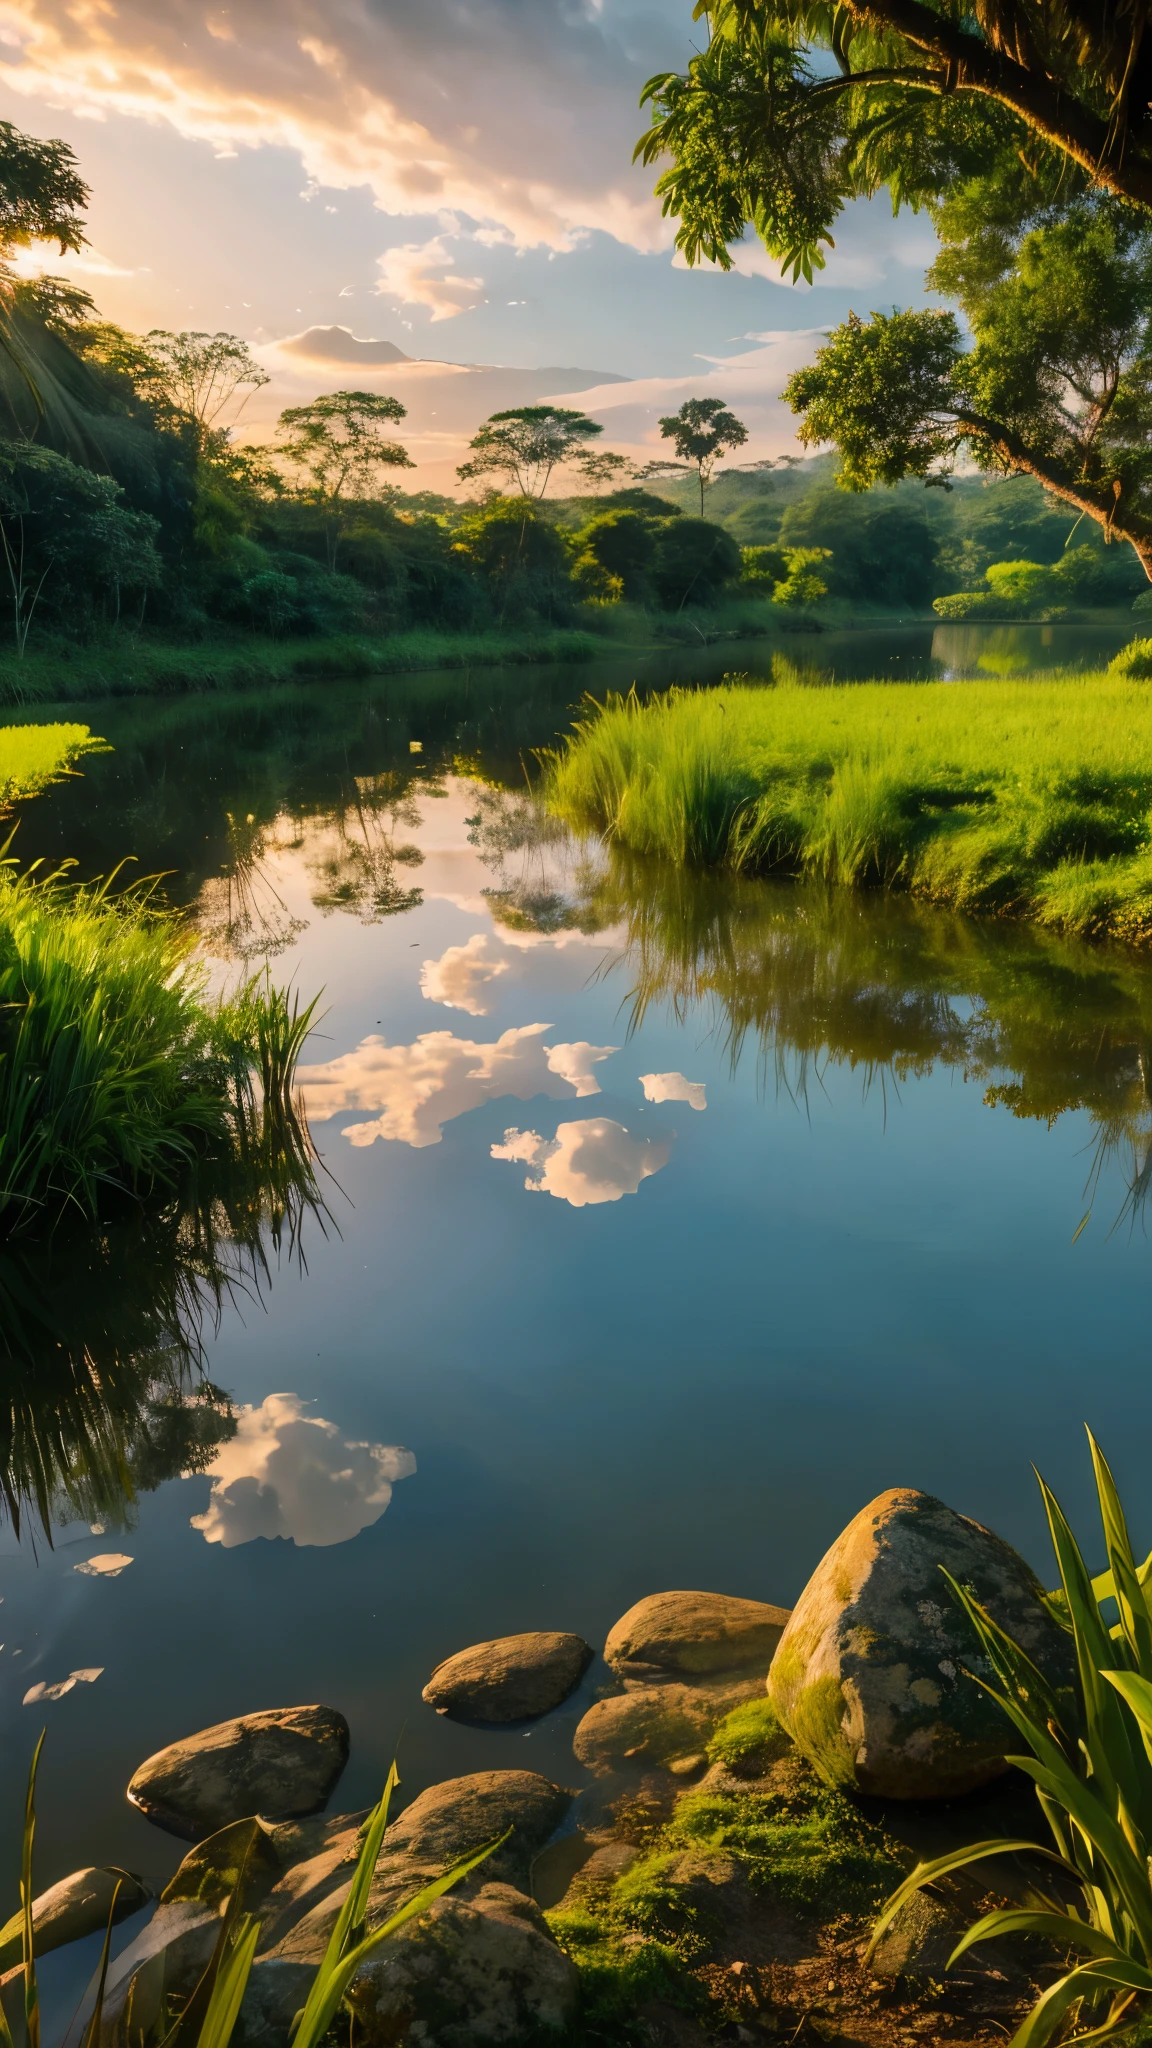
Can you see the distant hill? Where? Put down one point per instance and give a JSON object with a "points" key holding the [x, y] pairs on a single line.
{"points": [[340, 345]]}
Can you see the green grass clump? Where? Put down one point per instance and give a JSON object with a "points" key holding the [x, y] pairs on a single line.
{"points": [[116, 1071], [33, 756], [621, 1971], [1002, 796]]}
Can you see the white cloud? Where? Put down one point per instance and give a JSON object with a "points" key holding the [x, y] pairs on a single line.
{"points": [[108, 1565], [421, 274], [674, 1088], [373, 96], [750, 383], [462, 975], [585, 1163], [45, 1691], [417, 1088], [288, 1473]]}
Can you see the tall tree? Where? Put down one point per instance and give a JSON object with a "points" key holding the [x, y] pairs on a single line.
{"points": [[701, 432], [338, 447], [199, 376], [763, 129], [1055, 381], [525, 445]]}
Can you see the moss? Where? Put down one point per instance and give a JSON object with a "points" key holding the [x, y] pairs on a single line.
{"points": [[749, 1739], [804, 1842], [815, 1723], [620, 1973]]}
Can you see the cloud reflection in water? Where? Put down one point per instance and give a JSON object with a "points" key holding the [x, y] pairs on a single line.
{"points": [[585, 1163], [288, 1473]]}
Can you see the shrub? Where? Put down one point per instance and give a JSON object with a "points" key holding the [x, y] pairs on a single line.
{"points": [[1134, 661]]}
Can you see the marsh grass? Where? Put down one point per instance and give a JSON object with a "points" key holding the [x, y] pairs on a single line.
{"points": [[117, 1074], [34, 756], [1032, 798]]}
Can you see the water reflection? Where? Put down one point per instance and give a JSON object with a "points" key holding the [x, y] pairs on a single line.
{"points": [[594, 1161], [284, 1472], [103, 1396], [418, 1088]]}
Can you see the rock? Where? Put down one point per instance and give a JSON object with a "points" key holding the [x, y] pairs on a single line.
{"points": [[240, 1856], [919, 1942], [482, 1969], [448, 1821], [311, 1883], [869, 1676], [513, 1678], [691, 1635], [282, 1763], [657, 1723], [77, 1906], [166, 1960], [275, 1993]]}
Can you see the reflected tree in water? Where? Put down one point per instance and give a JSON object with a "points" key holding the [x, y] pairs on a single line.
{"points": [[359, 873], [103, 1395], [240, 913]]}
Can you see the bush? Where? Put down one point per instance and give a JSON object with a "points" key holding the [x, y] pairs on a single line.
{"points": [[1133, 662], [692, 562]]}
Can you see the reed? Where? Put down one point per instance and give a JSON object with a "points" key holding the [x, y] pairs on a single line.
{"points": [[1089, 1753], [1030, 797], [117, 1073]]}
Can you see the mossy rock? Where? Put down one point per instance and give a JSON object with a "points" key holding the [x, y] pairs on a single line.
{"points": [[875, 1676]]}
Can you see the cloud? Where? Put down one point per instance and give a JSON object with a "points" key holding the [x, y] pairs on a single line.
{"points": [[288, 1473], [518, 114], [417, 1088], [585, 1163], [45, 1691], [421, 274], [461, 975], [108, 1565], [674, 1088], [750, 383]]}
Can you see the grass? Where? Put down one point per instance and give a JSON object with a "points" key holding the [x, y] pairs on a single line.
{"points": [[124, 664], [117, 1074], [1029, 797], [32, 757], [1091, 1762]]}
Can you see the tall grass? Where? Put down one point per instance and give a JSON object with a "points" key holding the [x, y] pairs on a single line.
{"points": [[1003, 796], [33, 756], [116, 1072], [1089, 1754]]}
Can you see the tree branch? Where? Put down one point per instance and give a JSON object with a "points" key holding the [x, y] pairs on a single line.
{"points": [[1098, 502], [1041, 101]]}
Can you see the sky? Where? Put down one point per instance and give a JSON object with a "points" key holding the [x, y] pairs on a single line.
{"points": [[452, 176]]}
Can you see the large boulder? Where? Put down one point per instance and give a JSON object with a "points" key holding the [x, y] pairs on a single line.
{"points": [[694, 1635], [282, 1763], [513, 1678], [471, 1970], [77, 1906], [871, 1677]]}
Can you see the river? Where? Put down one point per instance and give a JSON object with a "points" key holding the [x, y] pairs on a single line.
{"points": [[667, 1220]]}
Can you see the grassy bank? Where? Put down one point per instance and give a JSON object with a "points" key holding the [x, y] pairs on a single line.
{"points": [[122, 663], [117, 1074], [34, 756], [1027, 797]]}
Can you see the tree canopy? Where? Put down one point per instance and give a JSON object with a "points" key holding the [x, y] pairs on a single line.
{"points": [[525, 444], [795, 107]]}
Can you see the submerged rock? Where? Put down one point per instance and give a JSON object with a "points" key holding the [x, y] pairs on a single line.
{"points": [[77, 1906], [658, 1724], [870, 1676], [470, 1970], [513, 1678], [694, 1635], [282, 1763]]}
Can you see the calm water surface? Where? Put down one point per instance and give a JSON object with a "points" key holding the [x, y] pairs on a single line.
{"points": [[670, 1219]]}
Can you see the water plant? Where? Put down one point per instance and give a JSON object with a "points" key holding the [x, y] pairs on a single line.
{"points": [[1029, 796], [117, 1072], [207, 2017], [1091, 1761]]}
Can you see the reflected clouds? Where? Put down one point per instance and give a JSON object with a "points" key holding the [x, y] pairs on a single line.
{"points": [[674, 1088], [419, 1087], [585, 1163], [288, 1473], [461, 977]]}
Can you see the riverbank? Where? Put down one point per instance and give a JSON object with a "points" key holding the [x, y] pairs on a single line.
{"points": [[123, 663], [1029, 798]]}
